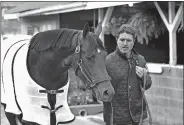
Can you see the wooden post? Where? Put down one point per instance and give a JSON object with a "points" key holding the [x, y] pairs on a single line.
{"points": [[94, 20], [100, 15], [172, 26], [172, 36], [172, 48], [23, 26], [105, 20], [58, 22]]}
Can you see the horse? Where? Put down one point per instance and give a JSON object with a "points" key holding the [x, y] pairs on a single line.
{"points": [[35, 75]]}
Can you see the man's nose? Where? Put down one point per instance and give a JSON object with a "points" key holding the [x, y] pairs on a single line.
{"points": [[125, 42]]}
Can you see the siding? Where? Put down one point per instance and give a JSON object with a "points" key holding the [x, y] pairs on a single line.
{"points": [[44, 23], [165, 97]]}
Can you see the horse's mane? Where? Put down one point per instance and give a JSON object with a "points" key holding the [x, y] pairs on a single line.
{"points": [[58, 38]]}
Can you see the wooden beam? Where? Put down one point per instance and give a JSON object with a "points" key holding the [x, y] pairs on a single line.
{"points": [[105, 20], [100, 15], [171, 11], [107, 16], [178, 18], [162, 14]]}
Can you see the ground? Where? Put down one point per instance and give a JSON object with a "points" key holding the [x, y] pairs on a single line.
{"points": [[91, 120], [4, 121]]}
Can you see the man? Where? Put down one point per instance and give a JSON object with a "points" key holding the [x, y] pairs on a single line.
{"points": [[127, 69]]}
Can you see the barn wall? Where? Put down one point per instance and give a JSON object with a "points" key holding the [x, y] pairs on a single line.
{"points": [[165, 97], [73, 20], [33, 24], [77, 20]]}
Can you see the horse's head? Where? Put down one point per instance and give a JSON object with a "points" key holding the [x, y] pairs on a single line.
{"points": [[89, 65], [58, 50]]}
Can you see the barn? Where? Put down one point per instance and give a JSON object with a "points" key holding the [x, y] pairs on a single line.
{"points": [[163, 54]]}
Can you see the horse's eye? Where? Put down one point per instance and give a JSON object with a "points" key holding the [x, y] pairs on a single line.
{"points": [[99, 51]]}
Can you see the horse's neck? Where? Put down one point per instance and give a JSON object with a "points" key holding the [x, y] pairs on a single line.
{"points": [[46, 70], [50, 68]]}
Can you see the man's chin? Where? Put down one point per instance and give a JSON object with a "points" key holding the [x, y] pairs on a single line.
{"points": [[125, 50]]}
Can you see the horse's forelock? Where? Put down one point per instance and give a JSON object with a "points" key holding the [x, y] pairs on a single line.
{"points": [[96, 40]]}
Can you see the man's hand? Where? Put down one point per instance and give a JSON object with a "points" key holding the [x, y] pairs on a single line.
{"points": [[140, 71]]}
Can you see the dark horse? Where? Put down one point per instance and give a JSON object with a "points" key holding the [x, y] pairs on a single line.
{"points": [[49, 56]]}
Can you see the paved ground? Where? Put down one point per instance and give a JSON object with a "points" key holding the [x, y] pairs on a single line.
{"points": [[4, 121], [90, 120], [97, 120]]}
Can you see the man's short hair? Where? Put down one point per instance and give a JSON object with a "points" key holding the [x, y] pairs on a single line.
{"points": [[126, 28]]}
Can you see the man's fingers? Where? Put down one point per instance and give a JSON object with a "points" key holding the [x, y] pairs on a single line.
{"points": [[139, 68], [139, 72]]}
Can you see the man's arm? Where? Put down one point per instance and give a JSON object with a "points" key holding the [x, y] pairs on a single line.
{"points": [[148, 79], [141, 70]]}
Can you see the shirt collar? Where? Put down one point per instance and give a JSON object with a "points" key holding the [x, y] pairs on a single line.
{"points": [[122, 55]]}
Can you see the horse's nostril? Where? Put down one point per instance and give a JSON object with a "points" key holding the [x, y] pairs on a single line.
{"points": [[106, 93]]}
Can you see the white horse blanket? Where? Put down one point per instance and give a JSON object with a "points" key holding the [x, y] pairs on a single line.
{"points": [[21, 89], [5, 45]]}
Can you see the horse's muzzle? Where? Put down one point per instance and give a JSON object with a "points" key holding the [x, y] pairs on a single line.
{"points": [[104, 91]]}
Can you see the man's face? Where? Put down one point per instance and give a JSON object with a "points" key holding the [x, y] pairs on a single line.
{"points": [[125, 43]]}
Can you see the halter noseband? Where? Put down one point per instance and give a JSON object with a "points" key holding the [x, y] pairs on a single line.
{"points": [[81, 66]]}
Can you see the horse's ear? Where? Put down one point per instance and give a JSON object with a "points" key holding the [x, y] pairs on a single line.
{"points": [[86, 30], [98, 29]]}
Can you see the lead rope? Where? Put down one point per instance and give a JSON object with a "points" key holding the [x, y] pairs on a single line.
{"points": [[144, 98]]}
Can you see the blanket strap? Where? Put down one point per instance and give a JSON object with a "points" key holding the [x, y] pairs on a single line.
{"points": [[51, 96], [51, 91]]}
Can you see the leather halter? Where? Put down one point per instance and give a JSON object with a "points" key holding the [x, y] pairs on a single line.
{"points": [[84, 71]]}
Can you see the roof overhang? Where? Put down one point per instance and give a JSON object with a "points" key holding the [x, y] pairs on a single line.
{"points": [[53, 9], [10, 16], [70, 7], [88, 6], [96, 5]]}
